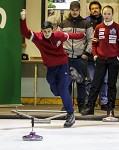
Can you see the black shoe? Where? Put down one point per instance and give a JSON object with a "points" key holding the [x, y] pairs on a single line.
{"points": [[80, 107], [110, 113], [104, 107], [87, 110], [70, 120], [75, 75]]}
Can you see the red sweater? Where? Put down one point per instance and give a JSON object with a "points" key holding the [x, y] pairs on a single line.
{"points": [[51, 49], [106, 41]]}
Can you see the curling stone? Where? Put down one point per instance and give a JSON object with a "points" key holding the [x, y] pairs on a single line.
{"points": [[32, 137]]}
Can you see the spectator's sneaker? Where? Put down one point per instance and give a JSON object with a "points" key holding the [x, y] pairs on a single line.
{"points": [[87, 110], [70, 120]]}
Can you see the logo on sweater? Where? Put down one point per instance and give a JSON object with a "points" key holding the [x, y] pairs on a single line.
{"points": [[58, 43], [113, 31]]}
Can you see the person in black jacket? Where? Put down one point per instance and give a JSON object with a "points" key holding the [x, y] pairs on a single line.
{"points": [[78, 51], [96, 18]]}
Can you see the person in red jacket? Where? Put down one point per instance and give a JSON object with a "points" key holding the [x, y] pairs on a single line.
{"points": [[105, 49], [50, 44]]}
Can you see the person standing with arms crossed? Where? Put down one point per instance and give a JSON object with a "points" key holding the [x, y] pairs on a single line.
{"points": [[105, 49], [78, 50], [50, 44], [96, 18]]}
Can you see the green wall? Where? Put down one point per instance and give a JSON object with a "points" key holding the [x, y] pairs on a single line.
{"points": [[10, 52]]}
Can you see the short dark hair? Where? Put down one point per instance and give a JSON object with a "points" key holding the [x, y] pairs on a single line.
{"points": [[47, 24], [95, 3], [108, 6], [74, 4]]}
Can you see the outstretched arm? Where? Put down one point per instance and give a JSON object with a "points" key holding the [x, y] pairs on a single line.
{"points": [[76, 36], [23, 27], [71, 35]]}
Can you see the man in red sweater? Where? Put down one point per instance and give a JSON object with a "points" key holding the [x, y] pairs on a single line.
{"points": [[50, 44], [105, 48]]}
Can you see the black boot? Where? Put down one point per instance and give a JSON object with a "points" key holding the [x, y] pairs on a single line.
{"points": [[104, 107], [88, 110], [70, 120], [80, 107]]}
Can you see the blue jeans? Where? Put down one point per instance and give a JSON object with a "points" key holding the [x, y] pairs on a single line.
{"points": [[104, 88]]}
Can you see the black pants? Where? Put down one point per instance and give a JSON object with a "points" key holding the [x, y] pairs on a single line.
{"points": [[81, 66], [102, 66]]}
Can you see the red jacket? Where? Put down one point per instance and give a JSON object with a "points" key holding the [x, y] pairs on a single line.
{"points": [[51, 49], [106, 41]]}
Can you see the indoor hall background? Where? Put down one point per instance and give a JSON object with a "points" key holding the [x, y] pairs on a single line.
{"points": [[27, 83]]}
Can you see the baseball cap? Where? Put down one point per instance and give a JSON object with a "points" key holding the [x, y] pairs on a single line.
{"points": [[47, 24], [74, 4]]}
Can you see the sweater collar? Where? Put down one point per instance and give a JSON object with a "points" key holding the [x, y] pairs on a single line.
{"points": [[49, 38], [108, 23]]}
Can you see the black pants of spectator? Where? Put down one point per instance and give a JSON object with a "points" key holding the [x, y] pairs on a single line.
{"points": [[81, 67], [110, 65]]}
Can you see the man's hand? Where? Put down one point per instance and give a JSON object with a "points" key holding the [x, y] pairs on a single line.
{"points": [[84, 56], [23, 14], [95, 57]]}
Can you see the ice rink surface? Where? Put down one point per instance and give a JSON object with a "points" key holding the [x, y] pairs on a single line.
{"points": [[84, 135]]}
